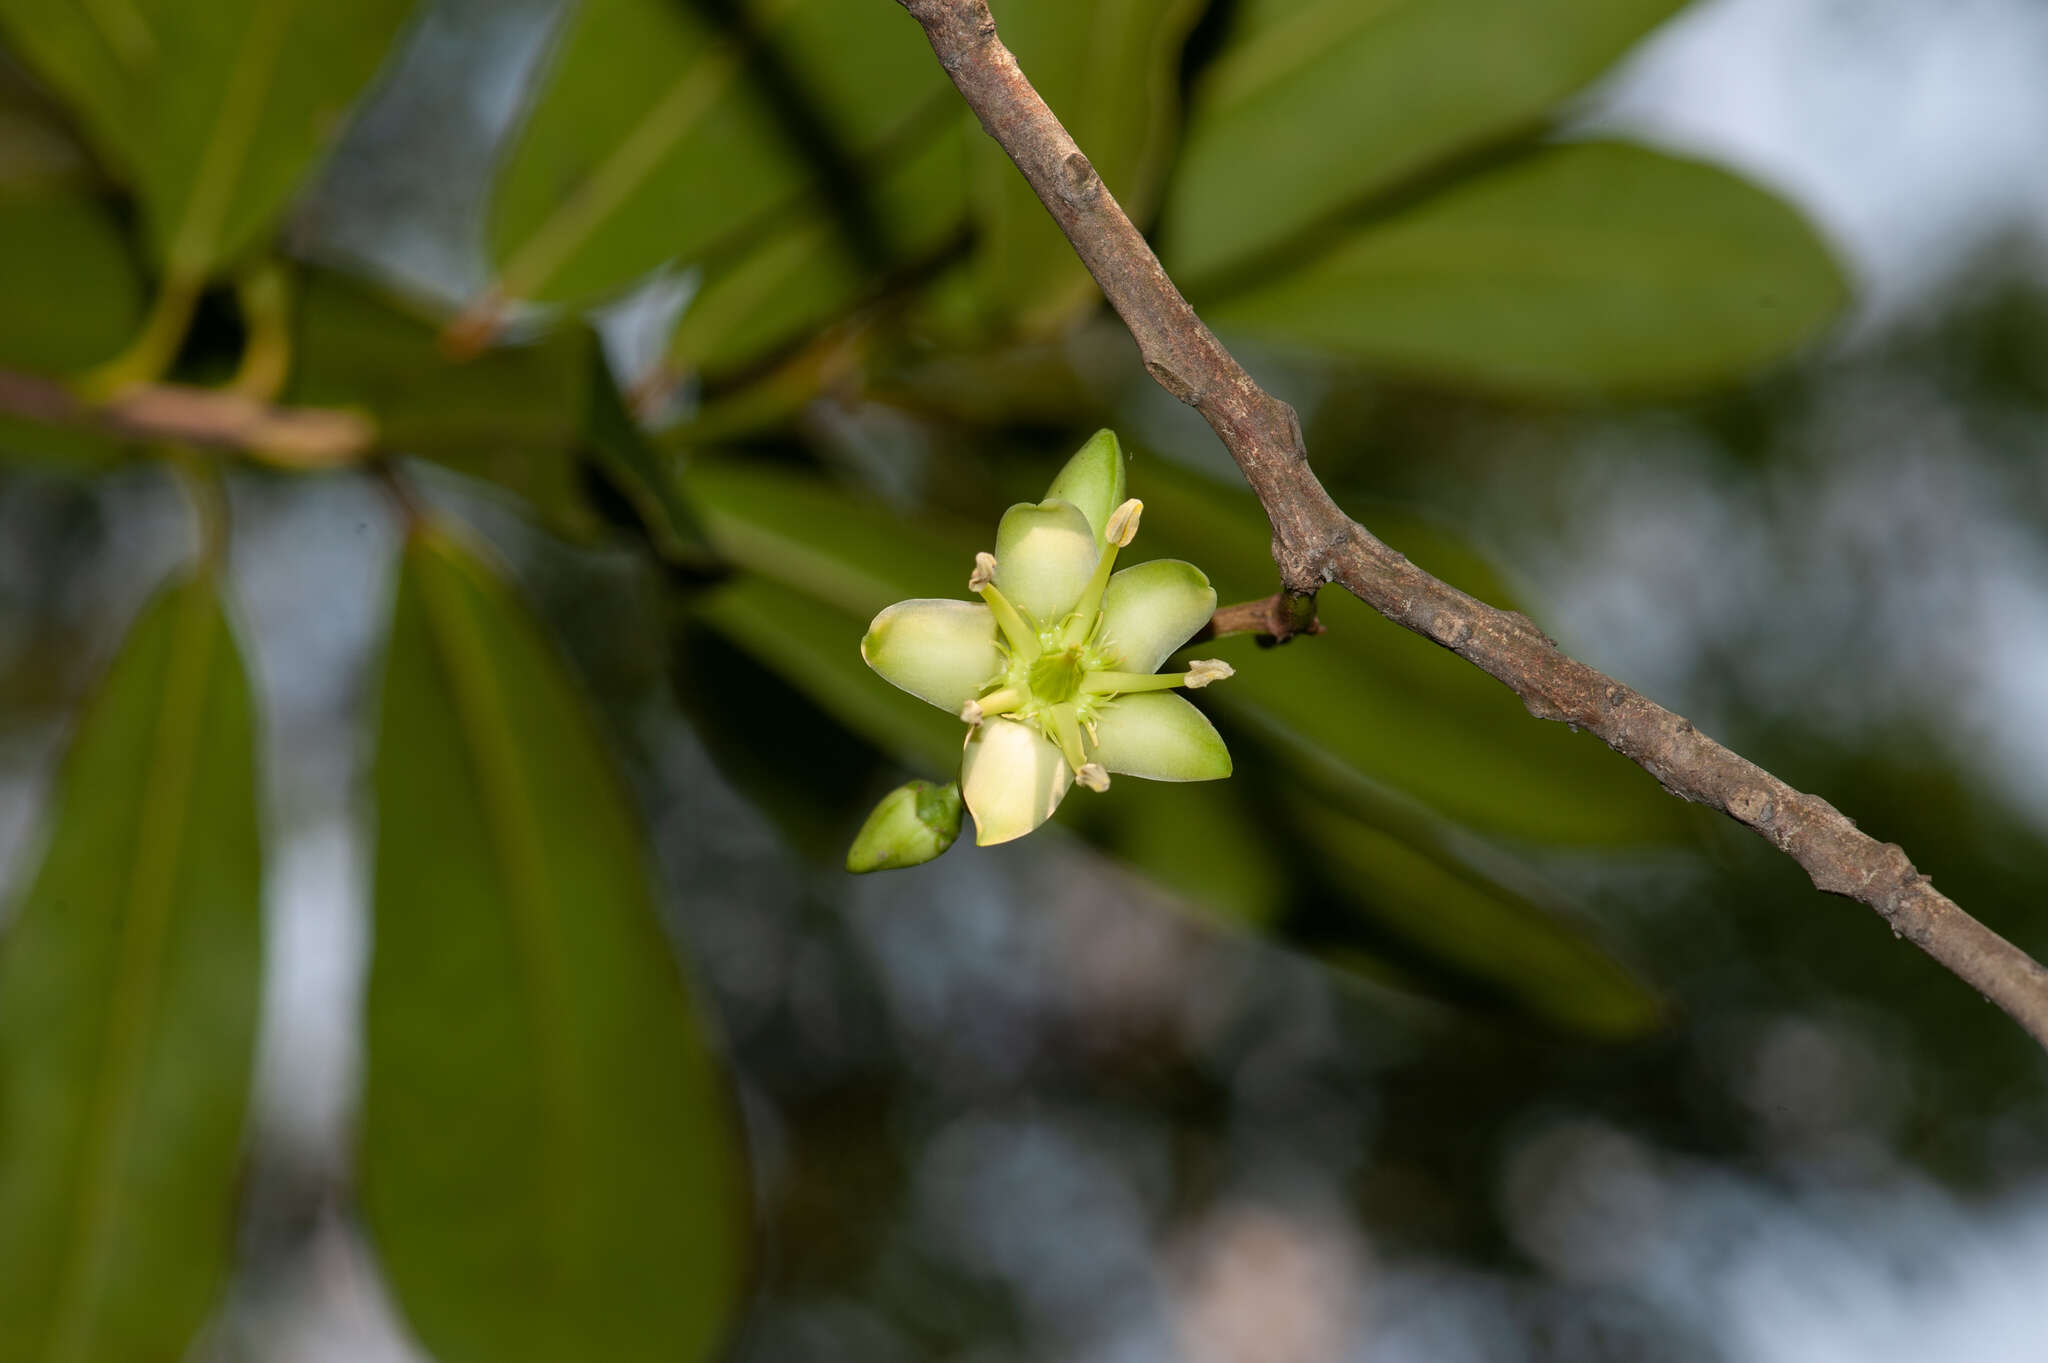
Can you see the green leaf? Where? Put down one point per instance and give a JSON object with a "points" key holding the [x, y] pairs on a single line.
{"points": [[550, 1164], [1314, 105], [1479, 927], [837, 547], [73, 293], [214, 111], [804, 271], [37, 149], [513, 415], [655, 137], [74, 297], [1369, 709], [642, 474], [129, 981], [815, 645], [1590, 267], [1110, 69]]}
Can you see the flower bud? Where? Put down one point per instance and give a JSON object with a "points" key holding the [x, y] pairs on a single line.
{"points": [[911, 825]]}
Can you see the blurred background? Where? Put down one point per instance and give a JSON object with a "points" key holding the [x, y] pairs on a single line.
{"points": [[1509, 1057]]}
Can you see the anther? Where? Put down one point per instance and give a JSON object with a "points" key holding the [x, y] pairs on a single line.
{"points": [[1202, 671], [984, 572], [1093, 775], [1123, 523]]}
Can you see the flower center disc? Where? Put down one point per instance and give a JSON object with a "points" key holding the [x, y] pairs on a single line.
{"points": [[1055, 677]]}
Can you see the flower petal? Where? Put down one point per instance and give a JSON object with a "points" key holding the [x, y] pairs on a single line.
{"points": [[1160, 737], [940, 651], [1150, 610], [1093, 480], [1012, 778], [1044, 554]]}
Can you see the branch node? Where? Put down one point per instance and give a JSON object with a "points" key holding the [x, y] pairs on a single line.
{"points": [[1448, 629], [1078, 181]]}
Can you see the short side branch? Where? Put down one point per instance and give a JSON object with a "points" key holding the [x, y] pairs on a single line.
{"points": [[211, 418], [1315, 543]]}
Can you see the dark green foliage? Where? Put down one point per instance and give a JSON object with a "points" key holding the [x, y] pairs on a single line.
{"points": [[128, 996]]}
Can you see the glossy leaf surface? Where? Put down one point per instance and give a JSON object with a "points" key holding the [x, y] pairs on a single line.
{"points": [[513, 415], [1314, 105], [804, 271], [1588, 267], [550, 1164], [214, 112], [129, 980], [655, 136]]}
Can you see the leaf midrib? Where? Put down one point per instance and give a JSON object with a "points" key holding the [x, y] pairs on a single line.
{"points": [[234, 132], [167, 788], [515, 829]]}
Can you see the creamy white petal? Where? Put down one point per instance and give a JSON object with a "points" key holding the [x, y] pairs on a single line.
{"points": [[1012, 779], [1151, 610], [1160, 737], [1044, 555], [937, 650], [1093, 480]]}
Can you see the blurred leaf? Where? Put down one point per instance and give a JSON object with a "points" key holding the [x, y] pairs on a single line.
{"points": [[644, 475], [837, 547], [513, 415], [128, 1000], [73, 293], [1591, 266], [73, 297], [655, 136], [1479, 926], [1110, 70], [37, 150], [1367, 708], [215, 111], [1316, 104], [816, 645], [804, 271], [1199, 840], [550, 1163]]}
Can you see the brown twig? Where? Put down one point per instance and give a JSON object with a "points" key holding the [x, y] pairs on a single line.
{"points": [[1274, 619], [211, 418], [1315, 543]]}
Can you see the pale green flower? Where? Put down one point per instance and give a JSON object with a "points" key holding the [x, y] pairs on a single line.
{"points": [[1055, 669]]}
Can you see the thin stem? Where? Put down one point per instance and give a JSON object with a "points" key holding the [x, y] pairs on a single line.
{"points": [[264, 294], [150, 354], [206, 490]]}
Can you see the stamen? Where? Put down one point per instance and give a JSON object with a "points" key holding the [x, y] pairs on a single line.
{"points": [[1123, 523], [998, 702], [970, 714], [1023, 639], [1200, 673], [1093, 775], [1120, 531], [1066, 733]]}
